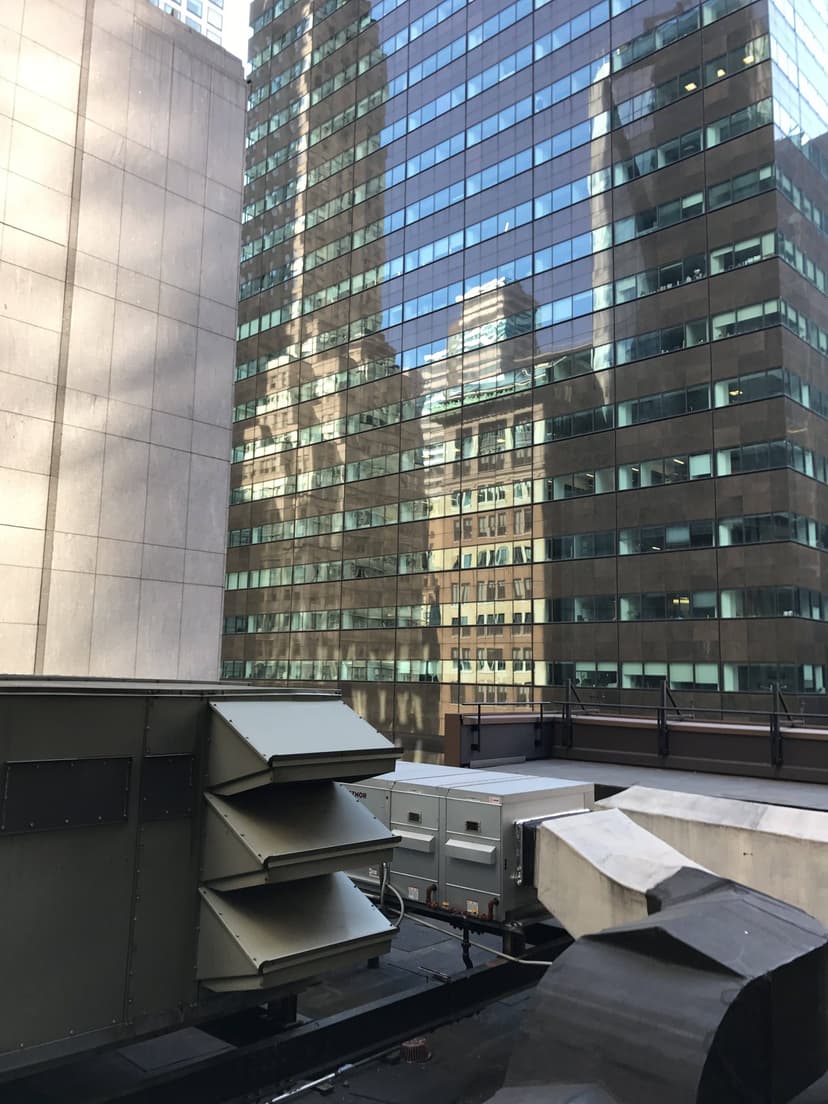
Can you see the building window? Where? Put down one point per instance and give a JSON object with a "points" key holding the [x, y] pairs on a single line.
{"points": [[678, 676]]}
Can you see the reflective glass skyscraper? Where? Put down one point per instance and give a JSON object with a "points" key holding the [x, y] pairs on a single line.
{"points": [[533, 341], [205, 16]]}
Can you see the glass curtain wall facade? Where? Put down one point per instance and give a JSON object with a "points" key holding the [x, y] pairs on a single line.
{"points": [[204, 16], [531, 377]]}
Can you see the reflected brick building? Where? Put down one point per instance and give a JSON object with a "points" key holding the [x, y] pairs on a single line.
{"points": [[532, 363]]}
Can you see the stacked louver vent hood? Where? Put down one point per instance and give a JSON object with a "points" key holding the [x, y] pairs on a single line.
{"points": [[279, 831]]}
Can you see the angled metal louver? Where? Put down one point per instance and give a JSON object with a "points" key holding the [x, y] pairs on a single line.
{"points": [[284, 833], [273, 936], [256, 742]]}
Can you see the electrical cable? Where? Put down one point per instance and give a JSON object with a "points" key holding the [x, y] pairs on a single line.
{"points": [[309, 1085], [383, 883], [399, 897], [474, 943]]}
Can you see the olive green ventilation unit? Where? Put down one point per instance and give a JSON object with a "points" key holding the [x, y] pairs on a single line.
{"points": [[154, 901], [278, 831]]}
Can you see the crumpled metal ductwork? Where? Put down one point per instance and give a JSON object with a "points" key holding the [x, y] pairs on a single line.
{"points": [[719, 994]]}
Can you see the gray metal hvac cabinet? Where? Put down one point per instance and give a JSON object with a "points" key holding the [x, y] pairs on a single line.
{"points": [[478, 842], [375, 795], [455, 828], [417, 816], [171, 852]]}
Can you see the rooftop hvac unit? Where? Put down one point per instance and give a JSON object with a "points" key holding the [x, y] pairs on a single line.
{"points": [[416, 815], [459, 830], [481, 859], [176, 853]]}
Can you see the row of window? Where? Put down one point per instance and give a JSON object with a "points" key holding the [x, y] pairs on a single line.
{"points": [[593, 18], [667, 152], [686, 535], [380, 55], [745, 678], [635, 108], [378, 617], [671, 30], [491, 496], [742, 678], [645, 162], [729, 323], [679, 536], [800, 199], [667, 404], [379, 9], [291, 35], [638, 285], [429, 204], [761, 456], [671, 339], [747, 602], [281, 80], [504, 69], [665, 214], [731, 191], [564, 33], [740, 530], [281, 6], [724, 258], [505, 438]]}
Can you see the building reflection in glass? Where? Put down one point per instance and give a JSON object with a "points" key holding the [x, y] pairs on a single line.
{"points": [[532, 352]]}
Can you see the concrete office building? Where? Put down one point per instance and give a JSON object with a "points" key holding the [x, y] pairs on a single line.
{"points": [[120, 225], [531, 379]]}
